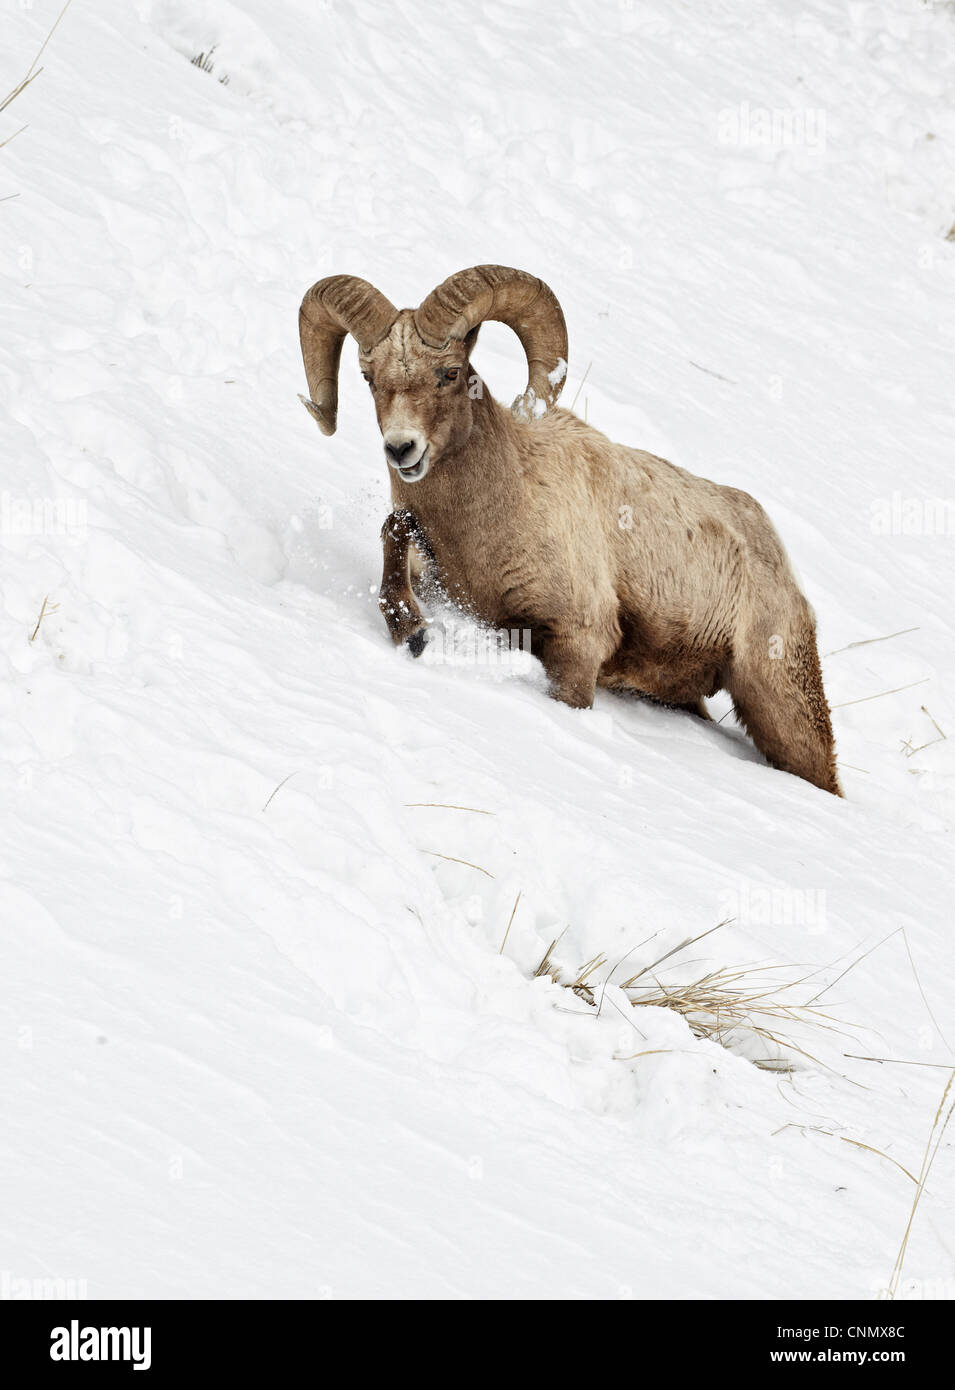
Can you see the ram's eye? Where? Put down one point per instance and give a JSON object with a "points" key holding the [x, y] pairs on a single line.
{"points": [[451, 374], [446, 374]]}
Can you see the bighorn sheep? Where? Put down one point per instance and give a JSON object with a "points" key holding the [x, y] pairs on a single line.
{"points": [[630, 572]]}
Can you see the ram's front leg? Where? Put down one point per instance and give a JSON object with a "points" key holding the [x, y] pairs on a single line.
{"points": [[396, 599]]}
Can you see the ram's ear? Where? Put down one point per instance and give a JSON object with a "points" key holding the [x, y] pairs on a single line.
{"points": [[471, 338]]}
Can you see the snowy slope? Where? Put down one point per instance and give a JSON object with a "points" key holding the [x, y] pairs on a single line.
{"points": [[262, 1038]]}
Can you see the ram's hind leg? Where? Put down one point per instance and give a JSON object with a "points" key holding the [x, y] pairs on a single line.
{"points": [[401, 540], [779, 698], [573, 658]]}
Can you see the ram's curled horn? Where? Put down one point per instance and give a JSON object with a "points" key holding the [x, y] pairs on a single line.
{"points": [[513, 297], [333, 307]]}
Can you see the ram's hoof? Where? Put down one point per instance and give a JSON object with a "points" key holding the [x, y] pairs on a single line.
{"points": [[418, 641]]}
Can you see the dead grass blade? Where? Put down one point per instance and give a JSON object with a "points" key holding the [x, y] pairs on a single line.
{"points": [[690, 941], [46, 608], [650, 1052], [867, 641], [509, 921], [932, 1145], [277, 790], [897, 1061], [928, 1007], [547, 966], [852, 964], [859, 1145], [580, 986], [452, 860], [33, 71], [908, 747], [581, 386], [863, 698]]}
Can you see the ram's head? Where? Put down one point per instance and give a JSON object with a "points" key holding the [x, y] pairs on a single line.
{"points": [[417, 361]]}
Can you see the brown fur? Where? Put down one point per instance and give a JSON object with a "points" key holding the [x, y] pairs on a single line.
{"points": [[630, 572]]}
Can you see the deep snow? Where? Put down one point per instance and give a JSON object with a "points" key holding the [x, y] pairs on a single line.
{"points": [[261, 1038]]}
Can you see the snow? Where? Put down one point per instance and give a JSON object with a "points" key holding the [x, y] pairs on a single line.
{"points": [[262, 1036]]}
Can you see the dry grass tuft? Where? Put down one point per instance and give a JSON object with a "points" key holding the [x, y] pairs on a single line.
{"points": [[727, 1006], [580, 984], [732, 1004], [204, 62]]}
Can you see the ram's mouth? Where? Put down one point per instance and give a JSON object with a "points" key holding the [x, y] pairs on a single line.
{"points": [[416, 471]]}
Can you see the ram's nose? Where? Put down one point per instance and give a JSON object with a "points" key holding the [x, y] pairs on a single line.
{"points": [[407, 453], [398, 452]]}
